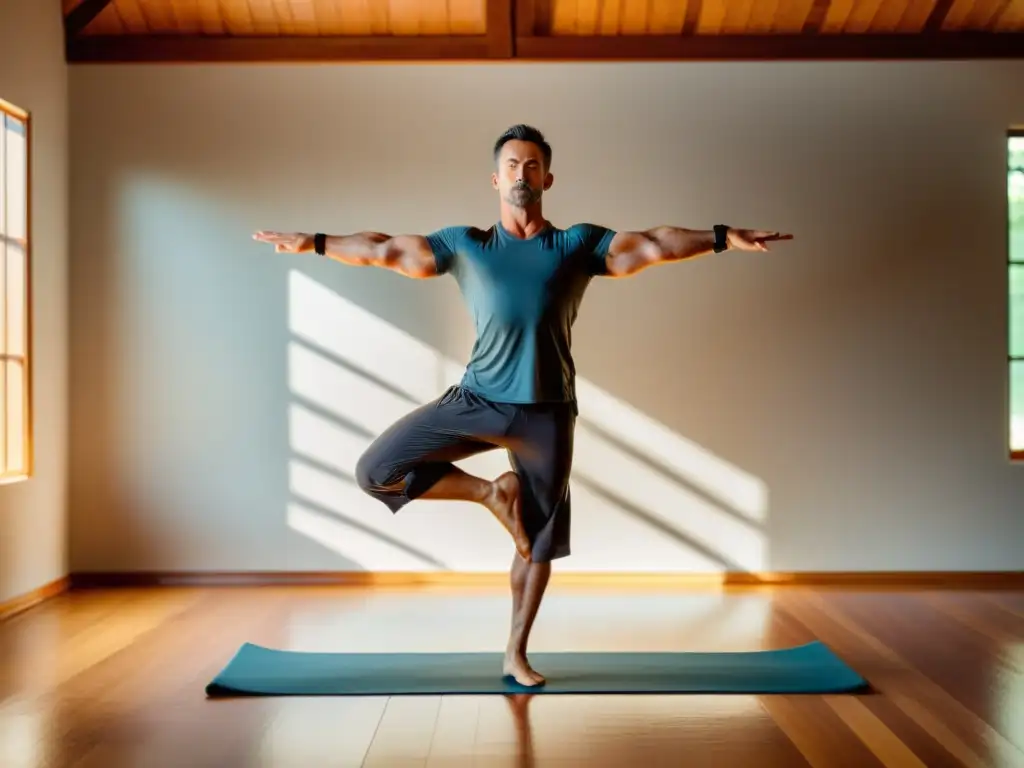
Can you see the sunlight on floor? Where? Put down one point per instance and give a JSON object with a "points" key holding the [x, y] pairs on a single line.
{"points": [[644, 498]]}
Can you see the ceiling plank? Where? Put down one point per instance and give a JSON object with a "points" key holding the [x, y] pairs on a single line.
{"points": [[775, 47], [998, 14], [82, 15], [156, 49]]}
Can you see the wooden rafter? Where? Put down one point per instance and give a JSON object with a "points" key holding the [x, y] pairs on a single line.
{"points": [[816, 16], [938, 15], [693, 9], [500, 28], [82, 15], [525, 18]]}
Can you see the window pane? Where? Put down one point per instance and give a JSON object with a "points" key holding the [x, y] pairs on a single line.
{"points": [[1017, 405], [1017, 229], [3, 174], [15, 294], [3, 423], [1016, 296], [15, 416], [17, 179], [1015, 197], [6, 247]]}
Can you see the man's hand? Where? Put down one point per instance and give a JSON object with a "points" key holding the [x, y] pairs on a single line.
{"points": [[752, 239], [286, 242]]}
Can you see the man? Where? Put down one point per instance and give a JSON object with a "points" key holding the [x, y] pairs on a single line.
{"points": [[523, 280]]}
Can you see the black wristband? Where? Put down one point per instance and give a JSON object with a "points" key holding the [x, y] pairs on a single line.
{"points": [[721, 241], [320, 243]]}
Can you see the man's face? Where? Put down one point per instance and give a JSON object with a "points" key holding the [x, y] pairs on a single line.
{"points": [[521, 178]]}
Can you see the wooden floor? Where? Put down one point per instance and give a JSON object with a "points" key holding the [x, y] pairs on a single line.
{"points": [[112, 678]]}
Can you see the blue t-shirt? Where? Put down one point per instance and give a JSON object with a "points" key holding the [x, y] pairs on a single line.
{"points": [[523, 296]]}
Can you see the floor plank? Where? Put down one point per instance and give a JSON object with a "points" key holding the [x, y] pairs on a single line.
{"points": [[115, 678]]}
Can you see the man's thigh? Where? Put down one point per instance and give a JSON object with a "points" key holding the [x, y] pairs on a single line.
{"points": [[455, 426]]}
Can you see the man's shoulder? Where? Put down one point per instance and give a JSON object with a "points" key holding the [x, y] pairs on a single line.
{"points": [[464, 229], [461, 234], [587, 227], [583, 231], [589, 235]]}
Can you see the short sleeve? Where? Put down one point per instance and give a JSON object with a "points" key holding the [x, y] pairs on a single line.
{"points": [[595, 242], [444, 243]]}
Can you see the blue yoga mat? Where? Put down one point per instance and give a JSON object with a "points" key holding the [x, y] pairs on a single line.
{"points": [[258, 671]]}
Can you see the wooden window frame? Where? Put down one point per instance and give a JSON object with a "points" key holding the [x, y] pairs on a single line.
{"points": [[1015, 455], [27, 460]]}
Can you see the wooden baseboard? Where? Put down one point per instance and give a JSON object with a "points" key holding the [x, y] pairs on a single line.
{"points": [[862, 579], [21, 603]]}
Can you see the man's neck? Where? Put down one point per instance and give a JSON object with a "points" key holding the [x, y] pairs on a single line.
{"points": [[523, 222]]}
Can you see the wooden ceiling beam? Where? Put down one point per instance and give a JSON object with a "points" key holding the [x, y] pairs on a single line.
{"points": [[154, 49], [82, 15], [820, 47], [774, 47]]}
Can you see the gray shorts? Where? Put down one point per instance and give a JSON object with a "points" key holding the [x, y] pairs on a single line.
{"points": [[418, 450]]}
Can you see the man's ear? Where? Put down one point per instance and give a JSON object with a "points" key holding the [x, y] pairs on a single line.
{"points": [[494, 180], [548, 181]]}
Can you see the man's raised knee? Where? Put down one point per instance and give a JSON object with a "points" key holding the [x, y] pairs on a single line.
{"points": [[374, 477], [366, 472]]}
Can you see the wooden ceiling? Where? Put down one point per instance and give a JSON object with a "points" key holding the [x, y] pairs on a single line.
{"points": [[461, 30]]}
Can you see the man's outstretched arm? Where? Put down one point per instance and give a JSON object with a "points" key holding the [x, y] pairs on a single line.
{"points": [[631, 252], [409, 255]]}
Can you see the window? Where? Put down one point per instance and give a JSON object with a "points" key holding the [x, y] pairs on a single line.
{"points": [[1015, 200], [15, 310]]}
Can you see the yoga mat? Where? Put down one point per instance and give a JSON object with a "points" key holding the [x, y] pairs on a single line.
{"points": [[259, 671]]}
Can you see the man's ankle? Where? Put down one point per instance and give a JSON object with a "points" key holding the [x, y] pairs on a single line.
{"points": [[485, 491]]}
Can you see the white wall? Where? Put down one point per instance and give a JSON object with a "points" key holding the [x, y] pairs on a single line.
{"points": [[845, 393], [33, 513]]}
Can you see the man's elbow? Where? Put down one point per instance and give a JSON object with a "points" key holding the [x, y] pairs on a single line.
{"points": [[415, 259], [645, 251]]}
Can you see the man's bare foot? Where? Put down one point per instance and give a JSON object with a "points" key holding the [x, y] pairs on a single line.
{"points": [[503, 501], [518, 667]]}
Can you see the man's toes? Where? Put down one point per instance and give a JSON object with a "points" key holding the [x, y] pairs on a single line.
{"points": [[532, 680]]}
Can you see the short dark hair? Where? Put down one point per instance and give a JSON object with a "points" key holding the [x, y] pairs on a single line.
{"points": [[522, 132]]}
